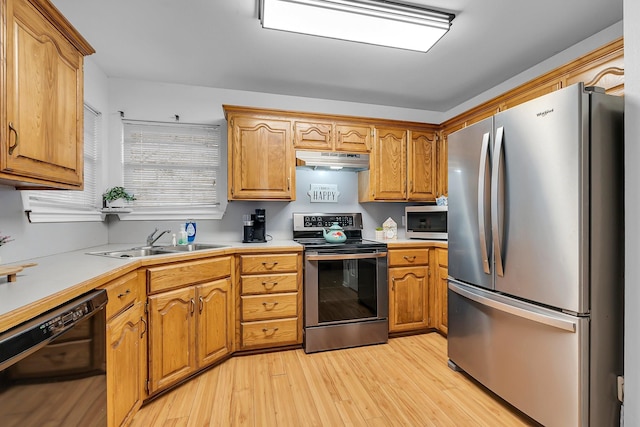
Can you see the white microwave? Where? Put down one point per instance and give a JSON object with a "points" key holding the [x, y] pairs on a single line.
{"points": [[426, 222]]}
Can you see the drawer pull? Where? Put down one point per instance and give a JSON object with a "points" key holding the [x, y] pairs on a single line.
{"points": [[273, 330], [409, 258], [124, 294], [270, 265], [272, 304], [273, 285]]}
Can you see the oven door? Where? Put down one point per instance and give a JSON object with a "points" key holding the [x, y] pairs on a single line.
{"points": [[345, 287]]}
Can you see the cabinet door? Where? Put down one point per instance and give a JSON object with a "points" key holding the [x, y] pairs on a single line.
{"points": [[43, 137], [261, 165], [422, 166], [313, 135], [215, 321], [171, 337], [126, 364], [441, 315], [390, 164], [353, 138], [408, 298]]}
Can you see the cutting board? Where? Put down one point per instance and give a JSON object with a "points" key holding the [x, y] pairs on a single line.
{"points": [[11, 270]]}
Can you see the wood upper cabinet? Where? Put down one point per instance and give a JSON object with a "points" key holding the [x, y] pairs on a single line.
{"points": [[386, 178], [261, 158], [328, 135], [408, 289], [41, 96], [353, 138], [126, 364], [422, 165]]}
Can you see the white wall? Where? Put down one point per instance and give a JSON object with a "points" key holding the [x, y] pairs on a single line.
{"points": [[632, 212]]}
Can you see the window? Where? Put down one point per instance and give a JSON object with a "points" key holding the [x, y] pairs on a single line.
{"points": [[72, 205], [172, 169]]}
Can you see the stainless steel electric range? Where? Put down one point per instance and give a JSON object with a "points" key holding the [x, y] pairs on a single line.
{"points": [[346, 301]]}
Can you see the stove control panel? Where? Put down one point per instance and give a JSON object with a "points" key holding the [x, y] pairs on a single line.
{"points": [[327, 221], [317, 221]]}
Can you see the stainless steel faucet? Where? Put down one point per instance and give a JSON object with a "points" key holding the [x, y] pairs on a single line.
{"points": [[151, 239]]}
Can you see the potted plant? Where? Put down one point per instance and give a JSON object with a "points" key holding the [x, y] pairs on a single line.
{"points": [[116, 197]]}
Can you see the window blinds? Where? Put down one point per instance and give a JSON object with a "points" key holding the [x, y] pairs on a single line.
{"points": [[171, 165]]}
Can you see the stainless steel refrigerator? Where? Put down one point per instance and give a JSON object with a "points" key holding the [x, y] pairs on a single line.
{"points": [[536, 255]]}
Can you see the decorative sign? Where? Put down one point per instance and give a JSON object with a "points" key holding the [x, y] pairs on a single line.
{"points": [[323, 193]]}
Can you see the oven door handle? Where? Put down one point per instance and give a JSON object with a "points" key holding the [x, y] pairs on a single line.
{"points": [[331, 257]]}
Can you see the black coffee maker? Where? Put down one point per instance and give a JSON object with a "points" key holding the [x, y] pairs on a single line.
{"points": [[254, 227]]}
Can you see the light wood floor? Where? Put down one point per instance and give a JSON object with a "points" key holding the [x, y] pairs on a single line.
{"points": [[403, 383]]}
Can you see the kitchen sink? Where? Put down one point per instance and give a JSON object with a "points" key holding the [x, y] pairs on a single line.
{"points": [[156, 250]]}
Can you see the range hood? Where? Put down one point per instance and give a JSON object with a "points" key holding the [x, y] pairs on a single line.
{"points": [[332, 160]]}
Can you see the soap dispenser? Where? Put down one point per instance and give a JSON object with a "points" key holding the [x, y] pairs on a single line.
{"points": [[182, 235]]}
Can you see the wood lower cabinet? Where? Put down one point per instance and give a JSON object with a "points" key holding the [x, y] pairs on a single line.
{"points": [[441, 286], [126, 342], [126, 364], [270, 301], [41, 107], [408, 289], [190, 327]]}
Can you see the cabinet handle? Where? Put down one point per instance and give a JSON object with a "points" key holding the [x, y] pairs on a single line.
{"points": [[13, 147], [288, 182], [124, 294], [144, 331], [393, 284], [193, 306], [274, 330], [273, 264], [272, 304], [409, 258], [273, 285], [201, 304]]}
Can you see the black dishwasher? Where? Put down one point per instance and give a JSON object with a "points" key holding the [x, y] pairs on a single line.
{"points": [[53, 367]]}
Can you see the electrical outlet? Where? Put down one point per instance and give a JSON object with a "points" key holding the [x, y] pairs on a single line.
{"points": [[403, 224]]}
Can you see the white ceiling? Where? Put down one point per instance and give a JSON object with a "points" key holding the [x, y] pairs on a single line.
{"points": [[220, 43]]}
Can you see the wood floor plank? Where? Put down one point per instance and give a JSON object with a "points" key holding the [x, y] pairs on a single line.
{"points": [[403, 383], [263, 396], [300, 390]]}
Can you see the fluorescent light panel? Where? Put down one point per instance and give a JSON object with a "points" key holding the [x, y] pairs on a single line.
{"points": [[373, 22]]}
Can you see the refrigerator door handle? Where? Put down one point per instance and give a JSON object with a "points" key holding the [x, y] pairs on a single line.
{"points": [[484, 151], [513, 310], [495, 203]]}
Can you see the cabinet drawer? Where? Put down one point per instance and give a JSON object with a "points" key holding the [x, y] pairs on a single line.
{"points": [[443, 257], [185, 273], [270, 333], [402, 257], [269, 283], [262, 307], [268, 263], [122, 293]]}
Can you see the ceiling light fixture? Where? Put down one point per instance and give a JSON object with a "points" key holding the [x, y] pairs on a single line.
{"points": [[381, 23]]}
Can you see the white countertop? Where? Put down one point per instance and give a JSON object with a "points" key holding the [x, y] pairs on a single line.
{"points": [[73, 273]]}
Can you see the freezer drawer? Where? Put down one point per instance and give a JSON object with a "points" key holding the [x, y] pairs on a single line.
{"points": [[534, 358]]}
